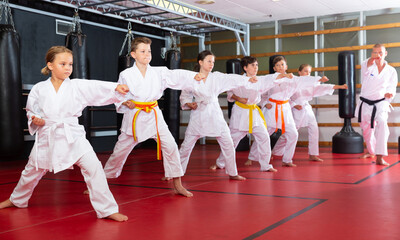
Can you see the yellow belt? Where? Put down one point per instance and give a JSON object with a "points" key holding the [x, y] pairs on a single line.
{"points": [[251, 107], [279, 103], [147, 107]]}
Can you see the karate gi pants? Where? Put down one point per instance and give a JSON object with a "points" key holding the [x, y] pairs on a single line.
{"points": [[313, 140], [375, 138], [260, 134], [100, 195], [125, 145], [227, 150], [287, 151]]}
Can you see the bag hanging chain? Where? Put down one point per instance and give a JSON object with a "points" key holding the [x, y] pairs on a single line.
{"points": [[128, 38], [76, 24], [5, 7]]}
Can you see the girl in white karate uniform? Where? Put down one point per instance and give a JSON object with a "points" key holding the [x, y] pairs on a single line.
{"points": [[53, 108], [277, 110], [303, 114], [140, 109], [206, 118]]}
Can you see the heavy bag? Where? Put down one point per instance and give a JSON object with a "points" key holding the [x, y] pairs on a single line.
{"points": [[271, 66], [11, 111], [347, 75], [347, 140], [76, 42], [124, 62], [233, 66], [171, 111]]}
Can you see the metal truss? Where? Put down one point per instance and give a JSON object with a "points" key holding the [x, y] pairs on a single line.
{"points": [[171, 15]]}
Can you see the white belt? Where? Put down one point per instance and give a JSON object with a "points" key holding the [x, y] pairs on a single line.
{"points": [[53, 124]]}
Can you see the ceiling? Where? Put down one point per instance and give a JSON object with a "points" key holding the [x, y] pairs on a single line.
{"points": [[255, 11]]}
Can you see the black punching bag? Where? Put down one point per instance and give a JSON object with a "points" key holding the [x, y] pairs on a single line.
{"points": [[76, 42], [11, 127], [172, 106], [347, 140], [233, 66], [276, 135]]}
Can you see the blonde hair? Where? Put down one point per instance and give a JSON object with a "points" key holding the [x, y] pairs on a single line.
{"points": [[51, 55], [137, 41]]}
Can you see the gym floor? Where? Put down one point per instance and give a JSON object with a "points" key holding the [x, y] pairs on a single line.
{"points": [[343, 197]]}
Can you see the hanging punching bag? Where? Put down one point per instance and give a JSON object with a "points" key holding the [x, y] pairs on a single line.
{"points": [[11, 111], [76, 42], [276, 135], [347, 140], [233, 66], [172, 106]]}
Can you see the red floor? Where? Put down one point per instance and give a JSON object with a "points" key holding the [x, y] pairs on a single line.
{"points": [[342, 198]]}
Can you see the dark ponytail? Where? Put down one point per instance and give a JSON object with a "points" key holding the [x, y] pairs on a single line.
{"points": [[202, 55]]}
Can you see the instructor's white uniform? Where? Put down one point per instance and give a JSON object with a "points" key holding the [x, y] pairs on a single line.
{"points": [[374, 86]]}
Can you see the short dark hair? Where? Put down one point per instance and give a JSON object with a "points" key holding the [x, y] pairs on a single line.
{"points": [[245, 61]]}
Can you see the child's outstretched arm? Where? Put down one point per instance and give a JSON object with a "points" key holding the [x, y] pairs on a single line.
{"points": [[344, 86]]}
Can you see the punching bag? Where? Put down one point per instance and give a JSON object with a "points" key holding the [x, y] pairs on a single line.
{"points": [[347, 140], [233, 66], [11, 111], [76, 42], [276, 135], [172, 106]]}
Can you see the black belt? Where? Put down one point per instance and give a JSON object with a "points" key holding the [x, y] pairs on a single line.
{"points": [[369, 102]]}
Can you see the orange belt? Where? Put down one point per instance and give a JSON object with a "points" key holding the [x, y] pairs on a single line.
{"points": [[279, 103], [147, 107]]}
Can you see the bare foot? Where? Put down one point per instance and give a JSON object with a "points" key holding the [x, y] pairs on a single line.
{"points": [[6, 204], [272, 170], [290, 164], [166, 178], [237, 177], [380, 161], [248, 163], [215, 167], [86, 192], [179, 189], [119, 217], [315, 158], [367, 155]]}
